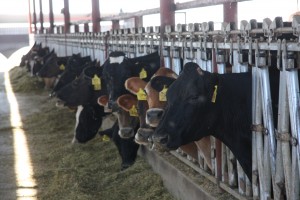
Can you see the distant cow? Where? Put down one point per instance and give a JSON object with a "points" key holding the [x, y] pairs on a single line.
{"points": [[74, 67], [83, 92]]}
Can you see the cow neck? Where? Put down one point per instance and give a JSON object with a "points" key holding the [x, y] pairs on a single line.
{"points": [[234, 139]]}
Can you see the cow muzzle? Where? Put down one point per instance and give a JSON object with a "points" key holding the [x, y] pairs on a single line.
{"points": [[126, 132], [153, 116], [142, 136], [159, 143]]}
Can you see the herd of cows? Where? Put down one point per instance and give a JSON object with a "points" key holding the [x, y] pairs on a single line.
{"points": [[153, 105]]}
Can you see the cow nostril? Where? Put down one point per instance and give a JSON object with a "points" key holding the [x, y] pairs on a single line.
{"points": [[160, 139], [159, 114]]}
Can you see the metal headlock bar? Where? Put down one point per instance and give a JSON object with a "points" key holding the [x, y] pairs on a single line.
{"points": [[255, 46]]}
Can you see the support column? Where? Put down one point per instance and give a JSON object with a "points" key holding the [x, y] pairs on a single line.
{"points": [[96, 16], [230, 12], [29, 17], [41, 18], [51, 17], [86, 27], [66, 13], [115, 24], [76, 28], [167, 17], [34, 17], [167, 14], [138, 21]]}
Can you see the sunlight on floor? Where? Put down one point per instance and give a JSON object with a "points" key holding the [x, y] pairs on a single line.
{"points": [[23, 167]]}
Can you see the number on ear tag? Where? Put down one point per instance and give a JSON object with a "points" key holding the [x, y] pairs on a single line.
{"points": [[133, 111], [143, 74], [96, 82], [105, 138], [141, 95], [62, 67], [163, 94]]}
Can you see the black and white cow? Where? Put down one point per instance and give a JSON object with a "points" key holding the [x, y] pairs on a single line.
{"points": [[84, 92]]}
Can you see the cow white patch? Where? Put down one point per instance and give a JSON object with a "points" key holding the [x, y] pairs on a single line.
{"points": [[78, 112], [118, 59]]}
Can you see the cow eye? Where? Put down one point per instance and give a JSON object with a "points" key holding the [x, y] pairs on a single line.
{"points": [[193, 100], [75, 83]]}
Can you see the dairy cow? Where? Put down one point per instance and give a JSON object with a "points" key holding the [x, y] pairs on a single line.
{"points": [[74, 67], [156, 110], [116, 71], [84, 93], [119, 68], [136, 86], [200, 104]]}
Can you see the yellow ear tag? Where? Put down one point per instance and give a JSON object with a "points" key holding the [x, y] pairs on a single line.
{"points": [[96, 82], [133, 111], [143, 74], [105, 138], [62, 67], [163, 94], [213, 99], [141, 95]]}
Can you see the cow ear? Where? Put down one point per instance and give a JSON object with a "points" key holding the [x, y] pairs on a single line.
{"points": [[127, 101], [163, 71], [102, 100], [134, 84], [192, 67], [159, 82]]}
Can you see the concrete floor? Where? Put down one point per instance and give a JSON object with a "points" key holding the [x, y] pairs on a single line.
{"points": [[11, 186]]}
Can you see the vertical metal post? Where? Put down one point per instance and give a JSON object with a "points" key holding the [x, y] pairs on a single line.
{"points": [[96, 16], [51, 16], [230, 12], [66, 16], [291, 73], [34, 18], [167, 17], [29, 17], [41, 18]]}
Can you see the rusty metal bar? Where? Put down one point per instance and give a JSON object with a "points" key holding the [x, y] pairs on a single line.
{"points": [[51, 16], [96, 16]]}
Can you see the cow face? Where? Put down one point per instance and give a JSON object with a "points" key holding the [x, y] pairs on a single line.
{"points": [[187, 105], [49, 67], [119, 69], [115, 73], [136, 86], [83, 90], [155, 100], [88, 122], [127, 115], [73, 68]]}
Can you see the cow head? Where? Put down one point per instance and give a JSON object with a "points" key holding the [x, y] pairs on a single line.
{"points": [[75, 64], [119, 69], [88, 122], [49, 64], [115, 73], [127, 115], [85, 89], [136, 86], [188, 103], [156, 89]]}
